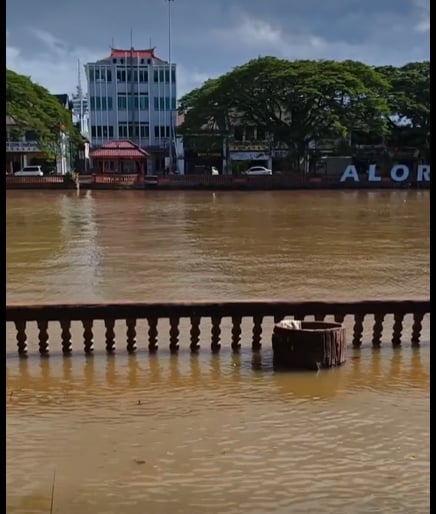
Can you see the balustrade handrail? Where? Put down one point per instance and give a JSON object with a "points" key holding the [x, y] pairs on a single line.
{"points": [[122, 310], [257, 310]]}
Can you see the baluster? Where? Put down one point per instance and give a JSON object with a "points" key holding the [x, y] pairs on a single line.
{"points": [[110, 335], [339, 318], [174, 334], [21, 337], [195, 334], [152, 334], [216, 331], [43, 337], [88, 336], [358, 330], [131, 335], [66, 336], [319, 317], [378, 329], [416, 328], [256, 345], [236, 333], [397, 329]]}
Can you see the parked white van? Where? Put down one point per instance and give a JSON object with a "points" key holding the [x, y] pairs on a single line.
{"points": [[30, 171]]}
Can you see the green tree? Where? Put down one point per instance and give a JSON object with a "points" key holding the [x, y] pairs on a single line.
{"points": [[295, 101], [409, 103], [34, 109]]}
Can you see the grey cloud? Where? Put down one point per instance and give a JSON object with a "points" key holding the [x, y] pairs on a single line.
{"points": [[46, 38]]}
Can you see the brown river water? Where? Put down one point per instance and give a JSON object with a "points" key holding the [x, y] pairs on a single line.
{"points": [[216, 433]]}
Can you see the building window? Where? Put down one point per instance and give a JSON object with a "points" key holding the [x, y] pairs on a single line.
{"points": [[173, 76], [238, 133], [143, 102], [109, 103], [161, 75], [162, 131], [122, 130], [143, 76], [133, 130], [111, 131], [91, 75], [109, 75], [156, 75], [167, 76], [93, 131], [114, 61], [121, 75], [122, 102], [261, 134], [249, 133]]}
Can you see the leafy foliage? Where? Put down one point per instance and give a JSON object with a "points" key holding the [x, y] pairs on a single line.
{"points": [[34, 109], [300, 101], [409, 102]]}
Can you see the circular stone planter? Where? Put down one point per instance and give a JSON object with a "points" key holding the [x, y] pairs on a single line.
{"points": [[308, 344]]}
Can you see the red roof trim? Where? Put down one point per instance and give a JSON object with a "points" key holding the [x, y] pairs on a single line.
{"points": [[117, 53], [120, 149]]}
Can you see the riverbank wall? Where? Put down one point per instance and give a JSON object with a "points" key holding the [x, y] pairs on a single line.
{"points": [[286, 181]]}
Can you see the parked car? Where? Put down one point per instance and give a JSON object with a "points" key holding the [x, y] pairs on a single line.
{"points": [[30, 171], [258, 170]]}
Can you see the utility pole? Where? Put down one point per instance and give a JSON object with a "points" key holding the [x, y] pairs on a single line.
{"points": [[170, 146]]}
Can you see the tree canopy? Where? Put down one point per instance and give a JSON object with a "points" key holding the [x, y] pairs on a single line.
{"points": [[409, 102], [33, 108], [301, 101]]}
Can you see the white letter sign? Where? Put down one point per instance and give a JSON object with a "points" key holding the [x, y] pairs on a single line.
{"points": [[399, 173], [350, 172], [372, 177], [423, 173]]}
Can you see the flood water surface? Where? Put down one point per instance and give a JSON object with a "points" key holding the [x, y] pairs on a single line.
{"points": [[216, 433]]}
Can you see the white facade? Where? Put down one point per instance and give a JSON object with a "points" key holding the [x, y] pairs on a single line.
{"points": [[129, 98], [81, 112]]}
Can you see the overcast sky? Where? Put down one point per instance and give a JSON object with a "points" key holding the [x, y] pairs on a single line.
{"points": [[45, 38]]}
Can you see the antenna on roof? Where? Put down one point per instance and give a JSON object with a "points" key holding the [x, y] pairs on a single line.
{"points": [[112, 44], [150, 44], [131, 38]]}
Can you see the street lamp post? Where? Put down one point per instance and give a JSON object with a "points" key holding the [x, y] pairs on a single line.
{"points": [[170, 146]]}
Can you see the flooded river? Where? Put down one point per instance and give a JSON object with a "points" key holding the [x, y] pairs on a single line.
{"points": [[216, 433]]}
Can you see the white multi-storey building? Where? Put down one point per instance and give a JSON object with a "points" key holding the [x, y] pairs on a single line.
{"points": [[131, 96]]}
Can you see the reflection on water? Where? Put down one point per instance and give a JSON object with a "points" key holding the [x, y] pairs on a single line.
{"points": [[216, 433], [223, 433]]}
